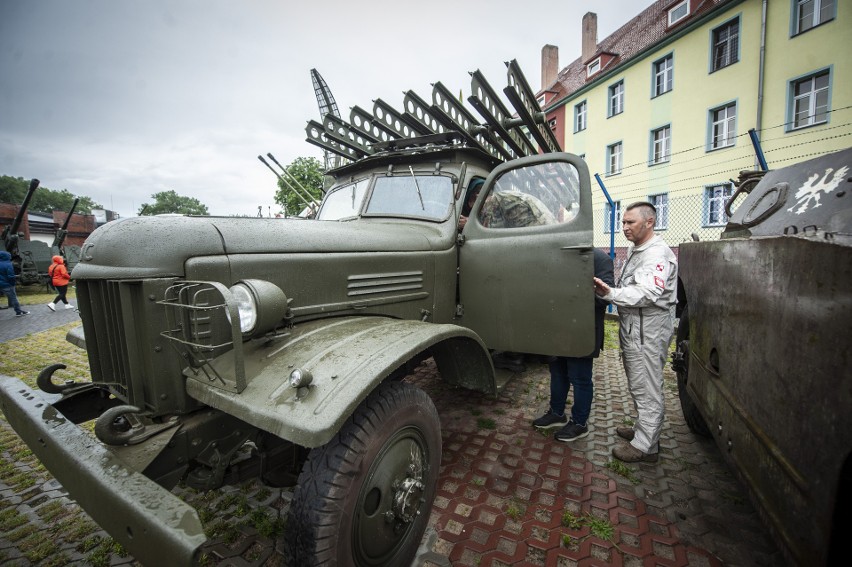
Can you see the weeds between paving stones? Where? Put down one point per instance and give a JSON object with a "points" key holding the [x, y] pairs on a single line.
{"points": [[621, 469]]}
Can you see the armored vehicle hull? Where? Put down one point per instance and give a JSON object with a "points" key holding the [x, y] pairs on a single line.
{"points": [[762, 355]]}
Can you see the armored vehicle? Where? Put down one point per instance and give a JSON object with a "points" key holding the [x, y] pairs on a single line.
{"points": [[244, 347], [762, 354]]}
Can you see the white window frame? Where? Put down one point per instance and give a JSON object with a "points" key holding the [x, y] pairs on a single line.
{"points": [[615, 100], [593, 67], [661, 203], [722, 119], [607, 209], [673, 17], [614, 158], [729, 45], [661, 144], [663, 68], [817, 100], [715, 197], [580, 116], [823, 11], [540, 101]]}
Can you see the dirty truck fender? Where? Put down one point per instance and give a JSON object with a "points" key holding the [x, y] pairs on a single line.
{"points": [[145, 518], [346, 358]]}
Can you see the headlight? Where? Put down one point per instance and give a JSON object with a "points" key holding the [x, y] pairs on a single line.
{"points": [[246, 307], [261, 305]]}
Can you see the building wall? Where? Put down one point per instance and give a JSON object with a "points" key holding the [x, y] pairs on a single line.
{"points": [[687, 107]]}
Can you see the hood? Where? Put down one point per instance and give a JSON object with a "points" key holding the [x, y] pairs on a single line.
{"points": [[58, 260], [140, 247], [5, 256]]}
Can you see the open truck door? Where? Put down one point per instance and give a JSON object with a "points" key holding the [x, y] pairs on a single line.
{"points": [[526, 261]]}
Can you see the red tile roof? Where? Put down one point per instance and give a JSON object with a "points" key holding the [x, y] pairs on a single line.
{"points": [[645, 30]]}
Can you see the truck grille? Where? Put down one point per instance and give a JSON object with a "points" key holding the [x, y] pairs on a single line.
{"points": [[107, 311], [126, 327]]}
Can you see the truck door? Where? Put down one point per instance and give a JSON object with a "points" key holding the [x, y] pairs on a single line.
{"points": [[525, 260]]}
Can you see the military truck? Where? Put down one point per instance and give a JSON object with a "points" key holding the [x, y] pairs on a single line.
{"points": [[762, 356], [246, 347]]}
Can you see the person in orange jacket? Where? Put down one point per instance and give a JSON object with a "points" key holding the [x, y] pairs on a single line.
{"points": [[59, 277]]}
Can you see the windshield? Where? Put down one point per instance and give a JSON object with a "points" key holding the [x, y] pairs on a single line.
{"points": [[343, 202], [423, 196]]}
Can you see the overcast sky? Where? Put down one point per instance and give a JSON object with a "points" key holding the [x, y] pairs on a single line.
{"points": [[120, 99]]}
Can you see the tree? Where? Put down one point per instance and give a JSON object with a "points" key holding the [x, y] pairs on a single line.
{"points": [[171, 202], [308, 172], [44, 200]]}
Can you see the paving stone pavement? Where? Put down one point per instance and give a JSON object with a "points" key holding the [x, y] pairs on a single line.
{"points": [[503, 492]]}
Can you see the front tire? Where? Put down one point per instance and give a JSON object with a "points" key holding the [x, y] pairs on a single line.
{"points": [[364, 498], [694, 419]]}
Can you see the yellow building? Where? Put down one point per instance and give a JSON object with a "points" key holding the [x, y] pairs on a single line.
{"points": [[662, 108]]}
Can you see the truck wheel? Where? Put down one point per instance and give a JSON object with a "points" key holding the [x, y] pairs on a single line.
{"points": [[364, 498], [693, 417]]}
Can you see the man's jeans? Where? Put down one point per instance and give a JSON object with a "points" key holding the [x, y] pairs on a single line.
{"points": [[565, 371], [10, 293]]}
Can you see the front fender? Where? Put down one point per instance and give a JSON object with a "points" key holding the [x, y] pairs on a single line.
{"points": [[347, 358]]}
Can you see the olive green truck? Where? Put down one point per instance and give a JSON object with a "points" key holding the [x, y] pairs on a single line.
{"points": [[223, 349]]}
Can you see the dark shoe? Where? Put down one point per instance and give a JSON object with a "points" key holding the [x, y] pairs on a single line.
{"points": [[509, 361], [22, 313], [625, 432], [630, 454], [549, 420], [571, 432]]}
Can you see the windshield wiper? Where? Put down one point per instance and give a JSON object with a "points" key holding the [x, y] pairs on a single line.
{"points": [[417, 186]]}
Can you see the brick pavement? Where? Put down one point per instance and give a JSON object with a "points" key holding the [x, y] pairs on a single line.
{"points": [[507, 494], [40, 319]]}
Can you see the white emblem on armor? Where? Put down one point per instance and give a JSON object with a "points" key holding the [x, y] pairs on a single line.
{"points": [[811, 189]]}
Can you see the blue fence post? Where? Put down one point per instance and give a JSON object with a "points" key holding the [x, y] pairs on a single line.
{"points": [[755, 141], [611, 216], [611, 225]]}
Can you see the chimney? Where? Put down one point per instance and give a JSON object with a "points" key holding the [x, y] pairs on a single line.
{"points": [[549, 65], [590, 35]]}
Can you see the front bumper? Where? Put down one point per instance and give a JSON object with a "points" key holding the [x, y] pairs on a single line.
{"points": [[154, 525]]}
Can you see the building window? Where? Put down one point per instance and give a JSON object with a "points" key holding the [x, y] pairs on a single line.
{"points": [[811, 13], [661, 144], [678, 12], [613, 158], [726, 40], [661, 203], [540, 101], [616, 98], [608, 216], [593, 67], [663, 75], [714, 204], [723, 126], [580, 117], [552, 124], [810, 100]]}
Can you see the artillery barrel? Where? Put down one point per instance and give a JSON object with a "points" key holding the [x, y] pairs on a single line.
{"points": [[63, 231], [12, 229]]}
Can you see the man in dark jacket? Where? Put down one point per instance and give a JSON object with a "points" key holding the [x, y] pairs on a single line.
{"points": [[7, 283], [567, 371]]}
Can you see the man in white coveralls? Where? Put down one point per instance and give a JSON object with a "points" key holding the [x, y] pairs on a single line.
{"points": [[644, 294]]}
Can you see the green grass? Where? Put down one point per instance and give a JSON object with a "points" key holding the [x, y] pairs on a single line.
{"points": [[621, 469]]}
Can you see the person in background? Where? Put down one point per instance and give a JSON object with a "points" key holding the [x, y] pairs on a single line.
{"points": [[567, 371], [8, 282], [646, 292], [60, 277]]}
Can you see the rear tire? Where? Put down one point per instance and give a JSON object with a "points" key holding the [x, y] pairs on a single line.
{"points": [[364, 498], [694, 419]]}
